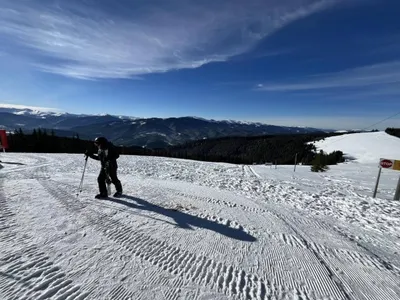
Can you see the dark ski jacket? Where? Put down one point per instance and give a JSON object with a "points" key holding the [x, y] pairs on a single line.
{"points": [[107, 156]]}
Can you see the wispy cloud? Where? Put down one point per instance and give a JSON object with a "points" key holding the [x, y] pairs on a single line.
{"points": [[120, 39], [383, 78]]}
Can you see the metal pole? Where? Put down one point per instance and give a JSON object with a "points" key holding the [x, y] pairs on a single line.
{"points": [[83, 174], [295, 163], [397, 194], [377, 182]]}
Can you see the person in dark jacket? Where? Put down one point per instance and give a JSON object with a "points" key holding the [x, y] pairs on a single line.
{"points": [[107, 155]]}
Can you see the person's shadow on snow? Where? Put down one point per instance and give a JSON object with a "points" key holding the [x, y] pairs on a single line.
{"points": [[184, 220], [12, 163]]}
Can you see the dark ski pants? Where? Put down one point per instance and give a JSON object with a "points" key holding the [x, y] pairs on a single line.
{"points": [[112, 172]]}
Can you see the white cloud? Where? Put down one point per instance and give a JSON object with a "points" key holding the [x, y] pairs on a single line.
{"points": [[34, 108], [109, 39], [385, 75]]}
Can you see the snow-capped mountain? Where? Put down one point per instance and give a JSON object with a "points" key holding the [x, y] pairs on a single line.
{"points": [[126, 130], [29, 110]]}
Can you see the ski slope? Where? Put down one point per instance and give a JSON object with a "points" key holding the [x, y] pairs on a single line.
{"points": [[366, 147], [196, 230]]}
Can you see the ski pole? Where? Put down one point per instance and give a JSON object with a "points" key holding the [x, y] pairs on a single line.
{"points": [[83, 174], [108, 179]]}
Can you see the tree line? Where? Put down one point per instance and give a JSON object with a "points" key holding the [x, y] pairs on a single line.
{"points": [[46, 141], [393, 131], [279, 149]]}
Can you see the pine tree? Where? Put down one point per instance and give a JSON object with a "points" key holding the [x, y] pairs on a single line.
{"points": [[319, 163]]}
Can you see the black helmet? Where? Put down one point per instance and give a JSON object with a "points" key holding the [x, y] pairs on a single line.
{"points": [[100, 140]]}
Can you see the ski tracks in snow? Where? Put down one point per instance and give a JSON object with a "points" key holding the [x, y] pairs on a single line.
{"points": [[313, 257], [192, 267], [177, 240], [25, 271], [348, 262]]}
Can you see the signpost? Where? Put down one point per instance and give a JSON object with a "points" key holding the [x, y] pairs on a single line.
{"points": [[397, 194], [390, 164]]}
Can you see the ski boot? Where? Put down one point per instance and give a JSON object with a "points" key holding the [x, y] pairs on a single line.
{"points": [[118, 194], [101, 196]]}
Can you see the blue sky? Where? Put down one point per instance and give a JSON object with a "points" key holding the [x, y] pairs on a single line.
{"points": [[320, 63]]}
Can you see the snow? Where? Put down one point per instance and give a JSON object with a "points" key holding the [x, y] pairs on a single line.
{"points": [[231, 122], [341, 131], [154, 133], [127, 117], [37, 113], [196, 230], [367, 147], [28, 109], [23, 110]]}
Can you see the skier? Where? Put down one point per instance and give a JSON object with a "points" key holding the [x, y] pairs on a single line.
{"points": [[108, 155]]}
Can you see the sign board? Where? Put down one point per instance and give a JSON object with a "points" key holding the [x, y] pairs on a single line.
{"points": [[3, 139], [391, 164]]}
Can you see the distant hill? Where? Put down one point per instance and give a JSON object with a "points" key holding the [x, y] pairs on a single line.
{"points": [[367, 147], [131, 131], [280, 149]]}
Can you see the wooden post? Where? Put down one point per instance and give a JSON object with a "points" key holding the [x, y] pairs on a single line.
{"points": [[397, 194], [377, 182]]}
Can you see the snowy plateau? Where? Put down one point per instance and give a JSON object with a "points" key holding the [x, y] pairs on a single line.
{"points": [[198, 230]]}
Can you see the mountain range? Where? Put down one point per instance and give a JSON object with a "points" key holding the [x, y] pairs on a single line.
{"points": [[131, 131]]}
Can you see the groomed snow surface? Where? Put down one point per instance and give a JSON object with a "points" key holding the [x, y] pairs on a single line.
{"points": [[365, 147], [197, 230]]}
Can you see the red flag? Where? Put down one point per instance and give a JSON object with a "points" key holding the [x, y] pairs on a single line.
{"points": [[3, 139]]}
